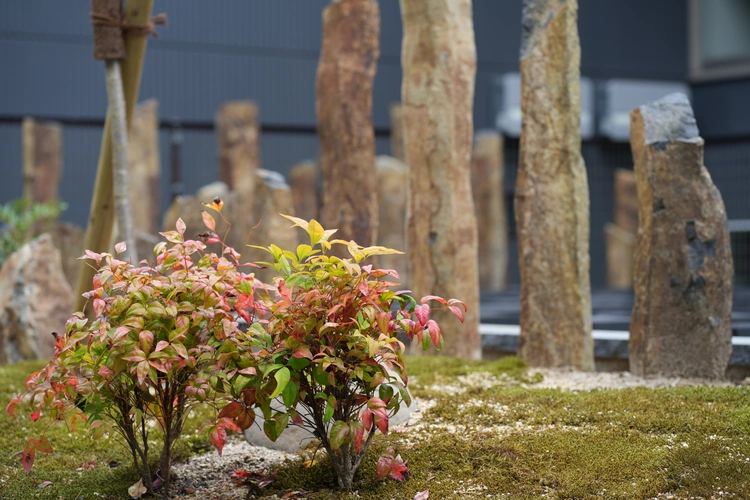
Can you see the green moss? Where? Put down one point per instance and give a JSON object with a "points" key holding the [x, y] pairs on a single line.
{"points": [[503, 441], [72, 449]]}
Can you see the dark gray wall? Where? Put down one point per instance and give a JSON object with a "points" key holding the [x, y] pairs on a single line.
{"points": [[723, 109], [268, 51]]}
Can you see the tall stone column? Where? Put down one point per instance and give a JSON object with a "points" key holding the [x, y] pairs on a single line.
{"points": [[42, 160], [397, 131], [393, 195], [145, 167], [439, 64], [239, 145], [303, 180], [681, 323], [552, 197], [346, 70], [489, 207]]}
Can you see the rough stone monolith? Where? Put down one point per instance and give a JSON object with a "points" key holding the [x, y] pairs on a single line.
{"points": [[145, 167], [552, 198], [619, 236], [489, 207], [42, 160], [393, 194], [681, 322], [397, 131], [239, 145], [346, 70], [35, 300], [303, 180], [439, 65]]}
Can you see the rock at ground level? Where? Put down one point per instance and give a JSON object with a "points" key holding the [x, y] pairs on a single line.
{"points": [[35, 300], [681, 321]]}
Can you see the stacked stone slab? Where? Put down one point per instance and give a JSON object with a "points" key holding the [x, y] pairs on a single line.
{"points": [[35, 300], [552, 200], [681, 322], [145, 168], [489, 207], [303, 180], [346, 70], [42, 160], [620, 234], [393, 194], [439, 65]]}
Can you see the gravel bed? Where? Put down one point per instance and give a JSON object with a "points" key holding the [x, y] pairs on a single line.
{"points": [[207, 476]]}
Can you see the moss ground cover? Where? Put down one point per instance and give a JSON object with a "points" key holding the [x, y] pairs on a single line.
{"points": [[486, 436]]}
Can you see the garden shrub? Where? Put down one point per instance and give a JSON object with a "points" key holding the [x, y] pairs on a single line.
{"points": [[321, 349]]}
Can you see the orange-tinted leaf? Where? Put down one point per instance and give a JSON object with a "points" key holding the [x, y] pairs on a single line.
{"points": [[427, 298], [367, 419], [245, 419], [11, 408], [43, 445], [208, 220], [229, 424]]}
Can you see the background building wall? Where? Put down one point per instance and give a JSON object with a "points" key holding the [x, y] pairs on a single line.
{"points": [[267, 51]]}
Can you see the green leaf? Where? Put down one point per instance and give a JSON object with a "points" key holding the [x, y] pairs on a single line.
{"points": [[298, 363], [289, 394], [320, 375], [339, 434], [316, 232], [282, 379], [328, 413], [240, 382]]}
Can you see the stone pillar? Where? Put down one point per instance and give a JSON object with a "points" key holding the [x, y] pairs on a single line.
{"points": [[489, 207], [439, 65], [239, 145], [272, 197], [303, 180], [393, 194], [145, 167], [42, 160], [620, 244], [397, 131], [552, 198], [620, 235], [346, 70], [681, 323]]}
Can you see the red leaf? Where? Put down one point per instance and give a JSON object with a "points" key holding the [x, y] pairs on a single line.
{"points": [[246, 418], [434, 330], [422, 495], [161, 345], [393, 466], [35, 415], [363, 288], [381, 420], [218, 438], [229, 424], [104, 371], [423, 313], [244, 302], [27, 459], [457, 312], [367, 419], [231, 410], [302, 352], [358, 431]]}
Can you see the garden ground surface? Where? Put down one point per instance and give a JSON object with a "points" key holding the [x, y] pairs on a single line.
{"points": [[483, 430]]}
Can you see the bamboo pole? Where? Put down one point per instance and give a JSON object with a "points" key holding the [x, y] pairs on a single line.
{"points": [[102, 213]]}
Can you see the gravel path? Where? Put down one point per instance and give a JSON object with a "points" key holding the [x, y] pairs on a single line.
{"points": [[207, 476]]}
